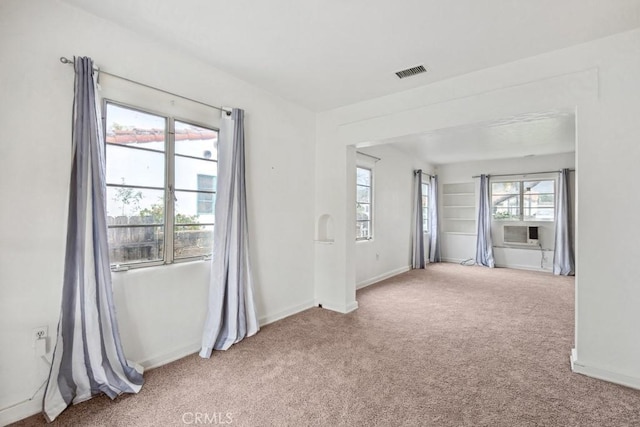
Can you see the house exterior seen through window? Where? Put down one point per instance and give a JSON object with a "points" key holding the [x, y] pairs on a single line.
{"points": [[206, 195], [364, 204], [523, 200], [161, 185]]}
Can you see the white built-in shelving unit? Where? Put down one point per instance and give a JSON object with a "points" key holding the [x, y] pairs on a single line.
{"points": [[459, 208]]}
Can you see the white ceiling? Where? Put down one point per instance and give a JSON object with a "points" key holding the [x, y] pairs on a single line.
{"points": [[531, 134], [324, 54]]}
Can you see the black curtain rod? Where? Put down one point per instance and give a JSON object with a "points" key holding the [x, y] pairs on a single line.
{"points": [[70, 62], [423, 173], [522, 174]]}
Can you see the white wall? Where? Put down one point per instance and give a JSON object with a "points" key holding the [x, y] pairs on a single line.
{"points": [[334, 271], [456, 248], [599, 80], [160, 310], [389, 252]]}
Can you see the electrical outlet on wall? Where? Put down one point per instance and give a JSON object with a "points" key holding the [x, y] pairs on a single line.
{"points": [[40, 333], [39, 344]]}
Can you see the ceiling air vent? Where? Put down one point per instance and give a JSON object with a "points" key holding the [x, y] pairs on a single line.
{"points": [[411, 71]]}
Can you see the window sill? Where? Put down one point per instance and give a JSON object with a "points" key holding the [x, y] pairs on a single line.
{"points": [[542, 221], [123, 268]]}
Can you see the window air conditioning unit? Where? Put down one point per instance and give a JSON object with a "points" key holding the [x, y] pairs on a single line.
{"points": [[521, 235]]}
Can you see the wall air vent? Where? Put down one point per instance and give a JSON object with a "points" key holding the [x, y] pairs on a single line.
{"points": [[411, 71]]}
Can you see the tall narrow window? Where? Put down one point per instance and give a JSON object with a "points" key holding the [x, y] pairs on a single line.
{"points": [[364, 204], [196, 168], [135, 174], [161, 184], [425, 207]]}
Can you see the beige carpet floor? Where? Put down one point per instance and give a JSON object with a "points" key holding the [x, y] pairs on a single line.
{"points": [[446, 346]]}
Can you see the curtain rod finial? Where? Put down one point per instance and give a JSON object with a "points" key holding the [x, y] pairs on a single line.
{"points": [[65, 60]]}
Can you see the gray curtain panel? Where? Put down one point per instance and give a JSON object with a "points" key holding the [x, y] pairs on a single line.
{"points": [[484, 243], [88, 357], [434, 237], [231, 314], [418, 259], [563, 261]]}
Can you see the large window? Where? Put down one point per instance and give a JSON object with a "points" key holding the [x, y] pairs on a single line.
{"points": [[364, 204], [161, 185], [523, 200], [425, 207]]}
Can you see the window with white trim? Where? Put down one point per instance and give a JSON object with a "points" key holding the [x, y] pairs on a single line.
{"points": [[364, 203], [523, 200], [161, 185], [425, 207]]}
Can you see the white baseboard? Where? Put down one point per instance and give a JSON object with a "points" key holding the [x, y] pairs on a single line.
{"points": [[603, 374], [454, 260], [165, 358], [573, 357], [340, 308], [170, 356], [382, 276], [351, 307], [270, 318], [22, 410]]}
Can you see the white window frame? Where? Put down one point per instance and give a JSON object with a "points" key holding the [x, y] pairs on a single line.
{"points": [[371, 202], [169, 185], [521, 218], [425, 217]]}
